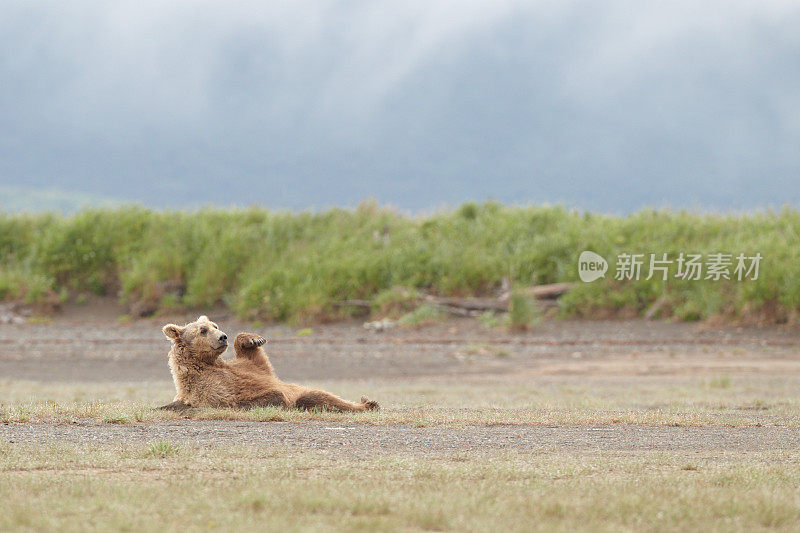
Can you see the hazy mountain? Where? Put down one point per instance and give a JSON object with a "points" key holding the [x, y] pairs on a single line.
{"points": [[603, 105]]}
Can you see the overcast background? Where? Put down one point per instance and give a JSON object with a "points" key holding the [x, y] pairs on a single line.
{"points": [[607, 105]]}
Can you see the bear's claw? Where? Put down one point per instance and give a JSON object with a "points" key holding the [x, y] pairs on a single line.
{"points": [[257, 341], [252, 341]]}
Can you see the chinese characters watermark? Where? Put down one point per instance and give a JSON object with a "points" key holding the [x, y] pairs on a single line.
{"points": [[686, 266]]}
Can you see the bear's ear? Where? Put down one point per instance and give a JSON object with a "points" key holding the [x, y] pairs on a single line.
{"points": [[203, 318], [172, 331]]}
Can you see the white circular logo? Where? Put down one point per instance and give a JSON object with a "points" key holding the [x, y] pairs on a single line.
{"points": [[591, 266]]}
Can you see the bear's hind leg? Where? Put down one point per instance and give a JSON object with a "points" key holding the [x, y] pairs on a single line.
{"points": [[317, 399], [272, 399]]}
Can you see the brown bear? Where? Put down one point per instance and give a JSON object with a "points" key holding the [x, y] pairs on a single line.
{"points": [[203, 379]]}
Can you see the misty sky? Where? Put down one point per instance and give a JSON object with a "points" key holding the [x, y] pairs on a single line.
{"points": [[601, 105]]}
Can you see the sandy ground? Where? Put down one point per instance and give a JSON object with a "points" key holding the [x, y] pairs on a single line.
{"points": [[93, 346]]}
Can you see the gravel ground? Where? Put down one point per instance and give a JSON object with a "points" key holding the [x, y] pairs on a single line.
{"points": [[370, 440]]}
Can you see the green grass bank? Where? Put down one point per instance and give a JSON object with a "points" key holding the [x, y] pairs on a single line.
{"points": [[276, 265]]}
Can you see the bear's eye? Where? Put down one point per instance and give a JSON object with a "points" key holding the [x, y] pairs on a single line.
{"points": [[203, 330]]}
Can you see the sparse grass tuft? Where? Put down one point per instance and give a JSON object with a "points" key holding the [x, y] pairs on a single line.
{"points": [[161, 449], [489, 319], [423, 315], [117, 419], [395, 302], [721, 382]]}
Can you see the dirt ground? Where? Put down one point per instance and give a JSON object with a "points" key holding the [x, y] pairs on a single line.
{"points": [[94, 347]]}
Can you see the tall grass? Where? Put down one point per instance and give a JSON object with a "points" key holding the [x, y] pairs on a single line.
{"points": [[523, 312], [293, 266]]}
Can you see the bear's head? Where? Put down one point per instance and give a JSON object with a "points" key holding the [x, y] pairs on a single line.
{"points": [[202, 338]]}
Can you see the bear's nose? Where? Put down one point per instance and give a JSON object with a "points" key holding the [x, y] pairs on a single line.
{"points": [[223, 338]]}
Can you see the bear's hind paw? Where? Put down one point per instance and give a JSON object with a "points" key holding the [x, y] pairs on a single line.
{"points": [[369, 405]]}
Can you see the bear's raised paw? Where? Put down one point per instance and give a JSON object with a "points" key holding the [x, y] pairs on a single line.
{"points": [[250, 340]]}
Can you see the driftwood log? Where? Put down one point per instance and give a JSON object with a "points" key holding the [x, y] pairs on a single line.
{"points": [[547, 294], [551, 291]]}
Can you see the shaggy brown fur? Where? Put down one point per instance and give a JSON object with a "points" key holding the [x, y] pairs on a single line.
{"points": [[203, 379]]}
